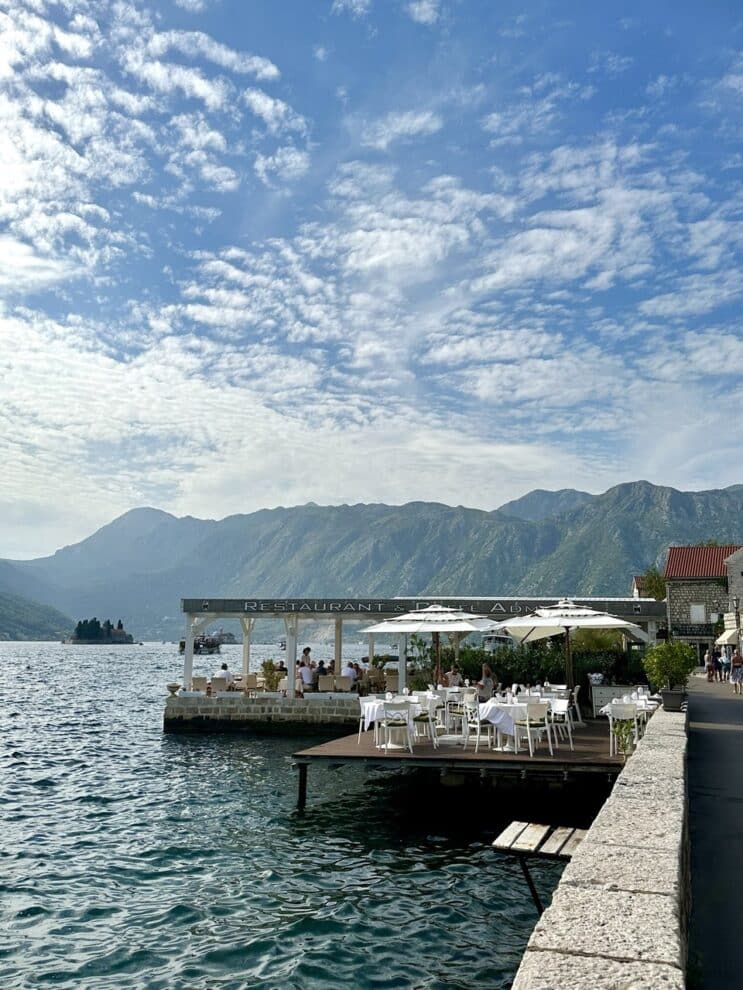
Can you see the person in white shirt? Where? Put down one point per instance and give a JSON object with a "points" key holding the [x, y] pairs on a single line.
{"points": [[307, 675], [348, 671], [226, 675]]}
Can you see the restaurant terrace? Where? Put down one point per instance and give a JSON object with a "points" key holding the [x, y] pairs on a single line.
{"points": [[200, 613]]}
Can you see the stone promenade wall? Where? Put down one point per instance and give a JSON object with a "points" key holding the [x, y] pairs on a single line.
{"points": [[618, 919], [237, 711]]}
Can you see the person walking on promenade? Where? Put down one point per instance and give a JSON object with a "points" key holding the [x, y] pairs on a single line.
{"points": [[725, 657], [709, 666], [736, 671]]}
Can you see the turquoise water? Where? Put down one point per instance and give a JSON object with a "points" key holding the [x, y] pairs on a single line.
{"points": [[131, 858]]}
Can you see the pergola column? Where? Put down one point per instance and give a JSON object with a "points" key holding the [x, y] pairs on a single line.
{"points": [[194, 626], [188, 653], [371, 649], [338, 645], [290, 624], [247, 628]]}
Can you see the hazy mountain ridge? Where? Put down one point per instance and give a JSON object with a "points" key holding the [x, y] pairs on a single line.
{"points": [[542, 504], [24, 619], [140, 565]]}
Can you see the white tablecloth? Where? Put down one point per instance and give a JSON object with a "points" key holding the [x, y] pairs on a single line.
{"points": [[643, 705], [502, 714], [374, 709]]}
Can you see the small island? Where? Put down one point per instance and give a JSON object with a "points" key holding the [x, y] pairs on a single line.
{"points": [[91, 632]]}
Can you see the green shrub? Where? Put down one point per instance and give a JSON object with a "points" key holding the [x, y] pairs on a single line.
{"points": [[271, 675], [669, 664]]}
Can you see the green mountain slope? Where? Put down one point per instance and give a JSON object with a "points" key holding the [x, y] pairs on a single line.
{"points": [[541, 504], [141, 565], [21, 618]]}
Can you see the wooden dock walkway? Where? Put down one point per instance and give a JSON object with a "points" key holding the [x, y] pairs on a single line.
{"points": [[590, 756]]}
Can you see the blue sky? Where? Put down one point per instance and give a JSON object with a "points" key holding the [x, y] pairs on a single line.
{"points": [[262, 253]]}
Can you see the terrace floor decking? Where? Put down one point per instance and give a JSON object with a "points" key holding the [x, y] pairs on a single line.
{"points": [[590, 756]]}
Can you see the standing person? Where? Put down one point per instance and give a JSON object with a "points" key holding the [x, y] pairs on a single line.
{"points": [[486, 684], [718, 663], [709, 666], [725, 658], [736, 671]]}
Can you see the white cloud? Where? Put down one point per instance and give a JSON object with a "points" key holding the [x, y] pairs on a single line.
{"points": [[424, 11], [400, 126], [199, 45], [276, 115], [287, 163], [358, 8]]}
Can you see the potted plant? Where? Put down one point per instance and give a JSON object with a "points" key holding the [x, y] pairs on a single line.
{"points": [[668, 666]]}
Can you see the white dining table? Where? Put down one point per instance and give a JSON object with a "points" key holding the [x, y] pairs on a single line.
{"points": [[373, 709], [502, 714]]}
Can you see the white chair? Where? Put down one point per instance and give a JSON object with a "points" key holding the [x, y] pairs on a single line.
{"points": [[621, 711], [362, 718], [455, 708], [396, 718], [218, 684], [575, 707], [561, 720], [535, 722], [198, 684], [472, 723], [326, 682], [343, 683], [424, 724]]}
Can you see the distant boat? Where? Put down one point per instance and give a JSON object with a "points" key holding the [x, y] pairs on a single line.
{"points": [[223, 637], [202, 644], [282, 644]]}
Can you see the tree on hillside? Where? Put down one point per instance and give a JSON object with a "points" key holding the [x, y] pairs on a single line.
{"points": [[654, 584]]}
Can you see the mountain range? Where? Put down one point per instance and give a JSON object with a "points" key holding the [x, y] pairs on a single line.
{"points": [[139, 566]]}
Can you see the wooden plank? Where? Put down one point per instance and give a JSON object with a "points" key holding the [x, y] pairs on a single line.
{"points": [[509, 835], [530, 838], [556, 841], [573, 842]]}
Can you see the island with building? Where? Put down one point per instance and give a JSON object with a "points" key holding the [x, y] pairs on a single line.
{"points": [[93, 632]]}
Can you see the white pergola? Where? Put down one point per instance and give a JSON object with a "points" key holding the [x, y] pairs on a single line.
{"points": [[200, 613]]}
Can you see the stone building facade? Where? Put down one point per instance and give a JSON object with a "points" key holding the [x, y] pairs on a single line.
{"points": [[698, 592]]}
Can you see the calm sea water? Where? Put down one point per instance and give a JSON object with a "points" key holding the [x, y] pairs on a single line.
{"points": [[131, 858]]}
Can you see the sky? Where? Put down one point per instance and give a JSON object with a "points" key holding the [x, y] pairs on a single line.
{"points": [[265, 252]]}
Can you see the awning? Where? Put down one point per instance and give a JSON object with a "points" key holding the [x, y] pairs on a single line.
{"points": [[728, 638]]}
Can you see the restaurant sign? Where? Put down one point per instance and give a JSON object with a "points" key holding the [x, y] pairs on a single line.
{"points": [[362, 607]]}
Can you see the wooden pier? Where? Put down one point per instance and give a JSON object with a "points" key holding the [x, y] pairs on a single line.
{"points": [[590, 756]]}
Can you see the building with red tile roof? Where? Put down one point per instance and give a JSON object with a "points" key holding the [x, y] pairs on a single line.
{"points": [[699, 587]]}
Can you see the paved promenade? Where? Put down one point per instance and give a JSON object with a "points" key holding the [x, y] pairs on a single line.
{"points": [[716, 824]]}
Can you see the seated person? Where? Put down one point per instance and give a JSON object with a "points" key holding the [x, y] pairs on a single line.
{"points": [[307, 674], [453, 677], [486, 685], [321, 669], [347, 670], [281, 667], [226, 674]]}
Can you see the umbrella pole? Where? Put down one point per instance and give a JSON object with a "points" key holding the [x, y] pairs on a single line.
{"points": [[436, 643], [570, 680]]}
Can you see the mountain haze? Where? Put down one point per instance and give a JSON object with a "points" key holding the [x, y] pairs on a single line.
{"points": [[139, 566]]}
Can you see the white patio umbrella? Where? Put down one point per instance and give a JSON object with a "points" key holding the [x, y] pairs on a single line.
{"points": [[562, 618], [434, 620]]}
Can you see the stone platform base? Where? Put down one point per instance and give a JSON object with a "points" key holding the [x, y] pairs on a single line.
{"points": [[326, 714]]}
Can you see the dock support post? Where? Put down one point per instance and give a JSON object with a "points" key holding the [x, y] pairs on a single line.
{"points": [[302, 787], [338, 645], [532, 889]]}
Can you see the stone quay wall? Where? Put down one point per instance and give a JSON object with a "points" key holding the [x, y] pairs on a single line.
{"points": [[618, 919], [326, 713]]}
